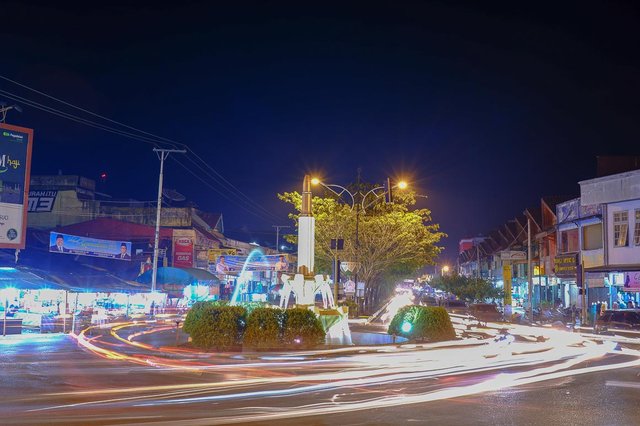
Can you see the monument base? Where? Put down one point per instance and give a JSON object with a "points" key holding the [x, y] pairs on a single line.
{"points": [[336, 324]]}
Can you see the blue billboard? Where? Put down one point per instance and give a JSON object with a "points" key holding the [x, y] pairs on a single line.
{"points": [[84, 246]]}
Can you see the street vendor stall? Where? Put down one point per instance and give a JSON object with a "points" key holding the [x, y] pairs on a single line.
{"points": [[36, 302], [184, 286]]}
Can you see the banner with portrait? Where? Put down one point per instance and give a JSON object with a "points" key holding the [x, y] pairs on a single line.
{"points": [[233, 265], [84, 246]]}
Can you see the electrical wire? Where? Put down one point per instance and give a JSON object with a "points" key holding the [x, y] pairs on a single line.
{"points": [[166, 140], [255, 208]]}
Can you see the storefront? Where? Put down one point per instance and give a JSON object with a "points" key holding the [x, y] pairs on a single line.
{"points": [[565, 268]]}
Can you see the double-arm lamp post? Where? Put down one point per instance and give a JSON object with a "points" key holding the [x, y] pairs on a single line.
{"points": [[360, 204]]}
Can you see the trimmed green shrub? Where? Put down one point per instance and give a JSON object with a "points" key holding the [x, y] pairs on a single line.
{"points": [[302, 328], [423, 322], [213, 326], [194, 316], [250, 306], [264, 328]]}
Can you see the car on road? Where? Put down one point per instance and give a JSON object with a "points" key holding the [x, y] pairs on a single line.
{"points": [[620, 319], [485, 312]]}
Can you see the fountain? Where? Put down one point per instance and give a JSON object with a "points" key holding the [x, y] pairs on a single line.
{"points": [[245, 275]]}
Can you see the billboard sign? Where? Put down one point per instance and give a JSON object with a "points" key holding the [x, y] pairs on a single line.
{"points": [[84, 246], [41, 201], [566, 266], [257, 262], [632, 281], [15, 169], [183, 252], [214, 254]]}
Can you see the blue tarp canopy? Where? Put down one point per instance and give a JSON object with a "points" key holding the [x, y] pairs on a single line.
{"points": [[23, 279], [183, 276]]}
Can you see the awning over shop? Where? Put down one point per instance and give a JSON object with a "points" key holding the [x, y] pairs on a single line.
{"points": [[23, 279], [183, 276], [613, 268]]}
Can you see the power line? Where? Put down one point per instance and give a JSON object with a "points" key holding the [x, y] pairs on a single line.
{"points": [[82, 109], [166, 140], [241, 197]]}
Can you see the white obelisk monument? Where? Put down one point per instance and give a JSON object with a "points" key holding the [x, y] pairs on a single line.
{"points": [[306, 231]]}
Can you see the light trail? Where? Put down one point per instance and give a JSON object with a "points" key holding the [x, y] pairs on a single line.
{"points": [[338, 380]]}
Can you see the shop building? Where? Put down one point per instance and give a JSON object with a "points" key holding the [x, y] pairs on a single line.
{"points": [[613, 270]]}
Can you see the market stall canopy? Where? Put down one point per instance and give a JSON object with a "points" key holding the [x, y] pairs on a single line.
{"points": [[184, 276], [23, 279]]}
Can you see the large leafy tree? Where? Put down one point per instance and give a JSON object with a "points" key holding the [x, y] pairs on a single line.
{"points": [[471, 289], [395, 239]]}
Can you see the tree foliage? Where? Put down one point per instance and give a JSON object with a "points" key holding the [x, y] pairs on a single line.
{"points": [[395, 239], [471, 289]]}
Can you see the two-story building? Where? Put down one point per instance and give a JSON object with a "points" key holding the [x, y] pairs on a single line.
{"points": [[615, 265]]}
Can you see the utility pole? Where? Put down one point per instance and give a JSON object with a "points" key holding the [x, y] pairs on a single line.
{"points": [[278, 227], [162, 155], [529, 271]]}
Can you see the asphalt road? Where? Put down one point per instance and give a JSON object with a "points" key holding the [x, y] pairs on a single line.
{"points": [[567, 379]]}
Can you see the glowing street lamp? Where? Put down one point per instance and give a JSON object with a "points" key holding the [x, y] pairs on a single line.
{"points": [[336, 189], [445, 269], [388, 192]]}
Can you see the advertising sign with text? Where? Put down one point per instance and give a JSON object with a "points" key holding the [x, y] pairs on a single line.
{"points": [[632, 281], [15, 168], [566, 266], [84, 246], [232, 265], [42, 201], [183, 252]]}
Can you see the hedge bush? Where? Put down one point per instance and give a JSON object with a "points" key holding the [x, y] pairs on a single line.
{"points": [[211, 325], [302, 328], [427, 322], [264, 328]]}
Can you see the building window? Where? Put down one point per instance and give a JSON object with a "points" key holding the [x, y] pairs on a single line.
{"points": [[620, 228], [636, 232], [592, 237], [569, 241]]}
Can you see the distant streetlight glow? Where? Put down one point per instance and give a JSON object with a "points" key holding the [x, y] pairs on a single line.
{"points": [[402, 184], [315, 181]]}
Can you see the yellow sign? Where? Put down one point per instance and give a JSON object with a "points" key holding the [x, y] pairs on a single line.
{"points": [[506, 278], [214, 254], [536, 270]]}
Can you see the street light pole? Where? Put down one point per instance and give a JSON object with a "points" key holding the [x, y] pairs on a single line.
{"points": [[530, 278], [162, 155], [360, 205]]}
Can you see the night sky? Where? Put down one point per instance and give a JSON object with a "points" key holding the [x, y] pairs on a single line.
{"points": [[483, 108]]}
